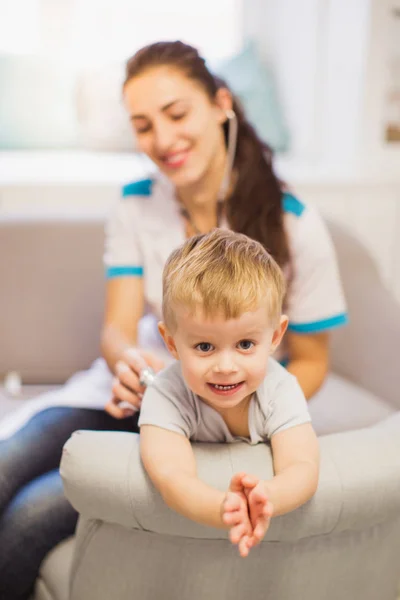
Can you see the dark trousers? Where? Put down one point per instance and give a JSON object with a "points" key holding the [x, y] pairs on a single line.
{"points": [[34, 513]]}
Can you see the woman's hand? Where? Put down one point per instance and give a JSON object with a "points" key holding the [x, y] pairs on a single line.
{"points": [[127, 391]]}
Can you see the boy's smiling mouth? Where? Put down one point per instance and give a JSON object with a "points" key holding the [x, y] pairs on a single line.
{"points": [[225, 389]]}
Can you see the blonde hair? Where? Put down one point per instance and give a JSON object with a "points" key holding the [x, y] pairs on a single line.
{"points": [[221, 272]]}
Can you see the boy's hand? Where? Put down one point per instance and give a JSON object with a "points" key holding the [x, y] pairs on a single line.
{"points": [[259, 505], [235, 515]]}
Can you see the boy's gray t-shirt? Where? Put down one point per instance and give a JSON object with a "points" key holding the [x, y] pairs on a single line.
{"points": [[278, 404]]}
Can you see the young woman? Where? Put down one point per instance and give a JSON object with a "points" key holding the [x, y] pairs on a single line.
{"points": [[212, 170]]}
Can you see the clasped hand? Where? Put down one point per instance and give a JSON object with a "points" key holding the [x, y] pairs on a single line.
{"points": [[246, 510]]}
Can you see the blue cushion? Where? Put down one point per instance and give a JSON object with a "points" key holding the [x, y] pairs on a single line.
{"points": [[254, 85], [37, 104]]}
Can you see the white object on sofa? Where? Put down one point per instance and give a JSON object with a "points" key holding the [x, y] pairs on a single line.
{"points": [[343, 544]]}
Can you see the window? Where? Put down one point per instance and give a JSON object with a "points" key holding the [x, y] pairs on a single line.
{"points": [[328, 58], [19, 26], [325, 56], [96, 31]]}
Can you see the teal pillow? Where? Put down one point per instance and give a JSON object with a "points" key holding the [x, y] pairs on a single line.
{"points": [[253, 83], [37, 104]]}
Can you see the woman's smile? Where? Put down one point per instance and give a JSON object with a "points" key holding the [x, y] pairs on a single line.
{"points": [[174, 160]]}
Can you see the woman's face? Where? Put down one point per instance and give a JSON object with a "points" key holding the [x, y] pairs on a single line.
{"points": [[176, 124]]}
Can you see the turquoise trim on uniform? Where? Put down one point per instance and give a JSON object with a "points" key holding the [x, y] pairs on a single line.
{"points": [[284, 362], [317, 326], [138, 188], [127, 271], [292, 205]]}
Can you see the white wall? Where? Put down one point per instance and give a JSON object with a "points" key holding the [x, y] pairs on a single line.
{"points": [[371, 210], [329, 58]]}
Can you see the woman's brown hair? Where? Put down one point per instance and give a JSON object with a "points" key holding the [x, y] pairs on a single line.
{"points": [[255, 206]]}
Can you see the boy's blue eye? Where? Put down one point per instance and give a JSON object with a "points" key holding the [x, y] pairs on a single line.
{"points": [[204, 347], [245, 344]]}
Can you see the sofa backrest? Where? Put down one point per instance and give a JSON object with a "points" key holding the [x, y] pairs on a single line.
{"points": [[52, 294]]}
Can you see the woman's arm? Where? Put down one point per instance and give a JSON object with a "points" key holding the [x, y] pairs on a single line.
{"points": [[309, 360], [169, 461], [124, 308]]}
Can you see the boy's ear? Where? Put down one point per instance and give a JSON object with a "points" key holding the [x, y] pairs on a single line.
{"points": [[168, 339], [279, 333]]}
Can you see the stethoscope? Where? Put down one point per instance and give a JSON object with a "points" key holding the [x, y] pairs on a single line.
{"points": [[226, 180]]}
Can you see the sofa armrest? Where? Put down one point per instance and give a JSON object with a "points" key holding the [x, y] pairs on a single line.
{"points": [[359, 482]]}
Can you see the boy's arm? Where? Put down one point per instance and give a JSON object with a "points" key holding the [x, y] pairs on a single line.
{"points": [[169, 461], [295, 454]]}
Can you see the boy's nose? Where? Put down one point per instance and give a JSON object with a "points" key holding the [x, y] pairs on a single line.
{"points": [[225, 364]]}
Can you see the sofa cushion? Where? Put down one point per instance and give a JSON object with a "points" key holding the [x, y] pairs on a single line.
{"points": [[62, 257], [48, 119], [53, 581], [254, 84], [341, 405], [103, 120]]}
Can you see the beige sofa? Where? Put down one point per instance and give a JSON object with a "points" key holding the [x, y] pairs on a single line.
{"points": [[344, 544]]}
